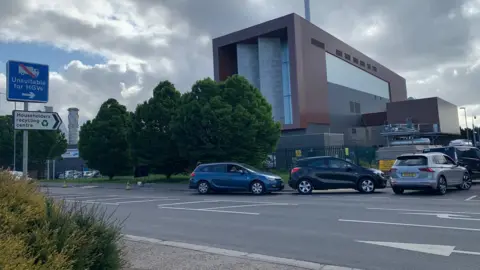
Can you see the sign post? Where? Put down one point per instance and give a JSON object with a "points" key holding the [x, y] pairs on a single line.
{"points": [[27, 82], [25, 147]]}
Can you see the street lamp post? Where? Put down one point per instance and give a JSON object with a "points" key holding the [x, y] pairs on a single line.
{"points": [[466, 125], [473, 130]]}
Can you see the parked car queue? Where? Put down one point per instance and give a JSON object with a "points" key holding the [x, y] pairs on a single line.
{"points": [[434, 171]]}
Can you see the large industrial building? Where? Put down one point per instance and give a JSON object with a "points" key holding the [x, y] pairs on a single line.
{"points": [[320, 87]]}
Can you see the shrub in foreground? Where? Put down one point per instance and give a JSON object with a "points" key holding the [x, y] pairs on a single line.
{"points": [[38, 233]]}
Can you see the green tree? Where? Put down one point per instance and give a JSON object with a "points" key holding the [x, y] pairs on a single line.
{"points": [[42, 145], [104, 141], [6, 141], [152, 142], [223, 121]]}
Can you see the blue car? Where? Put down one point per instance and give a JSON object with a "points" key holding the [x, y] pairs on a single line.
{"points": [[231, 176]]}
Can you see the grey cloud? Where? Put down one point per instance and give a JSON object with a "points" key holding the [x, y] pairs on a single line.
{"points": [[419, 38]]}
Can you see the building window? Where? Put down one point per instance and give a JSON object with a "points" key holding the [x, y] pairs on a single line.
{"points": [[357, 107], [368, 66], [352, 106], [355, 60], [362, 63], [339, 53], [347, 56], [317, 43], [287, 91], [374, 68], [354, 131]]}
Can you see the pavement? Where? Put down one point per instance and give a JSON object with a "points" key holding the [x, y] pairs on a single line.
{"points": [[380, 231]]}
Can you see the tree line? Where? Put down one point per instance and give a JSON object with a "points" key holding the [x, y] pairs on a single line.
{"points": [[171, 132]]}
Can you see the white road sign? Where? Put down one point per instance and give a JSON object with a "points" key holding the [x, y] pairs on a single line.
{"points": [[23, 120]]}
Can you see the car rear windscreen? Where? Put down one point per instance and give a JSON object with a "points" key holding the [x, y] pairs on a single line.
{"points": [[411, 161], [436, 150]]}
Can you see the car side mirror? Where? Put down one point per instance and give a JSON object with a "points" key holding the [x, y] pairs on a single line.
{"points": [[349, 169], [241, 171]]}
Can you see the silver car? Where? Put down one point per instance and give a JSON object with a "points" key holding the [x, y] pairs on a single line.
{"points": [[428, 171]]}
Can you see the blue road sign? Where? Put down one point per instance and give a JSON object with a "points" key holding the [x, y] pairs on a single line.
{"points": [[27, 82]]}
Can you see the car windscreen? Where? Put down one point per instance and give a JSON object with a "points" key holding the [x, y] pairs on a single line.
{"points": [[411, 161]]}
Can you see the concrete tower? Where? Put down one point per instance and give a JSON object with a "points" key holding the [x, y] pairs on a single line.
{"points": [[72, 126]]}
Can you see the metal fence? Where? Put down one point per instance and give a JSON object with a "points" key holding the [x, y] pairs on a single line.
{"points": [[284, 159]]}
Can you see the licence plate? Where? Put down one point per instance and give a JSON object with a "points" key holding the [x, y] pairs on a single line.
{"points": [[409, 174]]}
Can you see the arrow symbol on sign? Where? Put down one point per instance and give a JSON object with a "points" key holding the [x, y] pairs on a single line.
{"points": [[58, 121], [439, 250], [30, 95]]}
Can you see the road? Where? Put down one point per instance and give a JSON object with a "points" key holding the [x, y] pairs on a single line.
{"points": [[376, 231]]}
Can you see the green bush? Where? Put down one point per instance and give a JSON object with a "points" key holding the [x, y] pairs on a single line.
{"points": [[38, 233]]}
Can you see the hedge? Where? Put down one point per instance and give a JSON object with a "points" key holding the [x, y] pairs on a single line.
{"points": [[37, 233]]}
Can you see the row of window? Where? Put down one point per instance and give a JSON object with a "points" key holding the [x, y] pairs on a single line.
{"points": [[355, 60], [345, 55], [354, 107]]}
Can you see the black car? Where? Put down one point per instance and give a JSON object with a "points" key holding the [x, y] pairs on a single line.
{"points": [[465, 156], [333, 173]]}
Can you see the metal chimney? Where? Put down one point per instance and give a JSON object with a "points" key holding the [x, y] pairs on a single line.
{"points": [[307, 10], [72, 126]]}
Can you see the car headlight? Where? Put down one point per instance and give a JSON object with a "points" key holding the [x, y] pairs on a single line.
{"points": [[271, 178]]}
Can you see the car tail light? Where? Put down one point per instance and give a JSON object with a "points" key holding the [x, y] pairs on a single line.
{"points": [[192, 174], [426, 170], [294, 170]]}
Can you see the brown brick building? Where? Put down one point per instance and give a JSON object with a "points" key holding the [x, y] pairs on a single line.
{"points": [[315, 82]]}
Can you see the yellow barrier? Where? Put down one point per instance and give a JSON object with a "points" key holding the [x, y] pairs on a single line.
{"points": [[385, 165]]}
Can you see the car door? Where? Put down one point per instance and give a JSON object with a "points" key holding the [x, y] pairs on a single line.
{"points": [[236, 177], [320, 173], [341, 174], [470, 157], [457, 171], [216, 174], [440, 162], [474, 155]]}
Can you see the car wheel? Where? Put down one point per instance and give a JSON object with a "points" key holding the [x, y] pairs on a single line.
{"points": [[398, 190], [203, 187], [442, 186], [366, 185], [466, 182], [257, 188], [305, 187]]}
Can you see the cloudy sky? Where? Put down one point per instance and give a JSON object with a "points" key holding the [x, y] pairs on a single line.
{"points": [[98, 49]]}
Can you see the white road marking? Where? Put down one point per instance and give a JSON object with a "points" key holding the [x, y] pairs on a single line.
{"points": [[63, 195], [250, 202], [245, 205], [446, 216], [410, 225], [87, 187], [430, 249], [237, 254], [210, 210], [471, 198], [152, 200], [125, 198], [168, 204], [123, 202], [418, 210], [441, 250], [86, 197]]}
